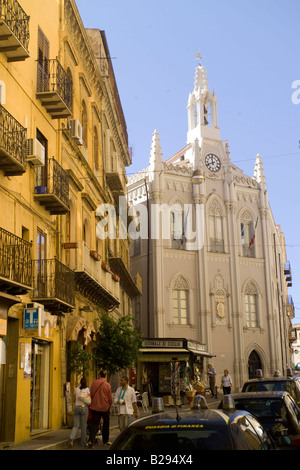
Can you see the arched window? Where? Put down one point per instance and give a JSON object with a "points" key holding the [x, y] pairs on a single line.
{"points": [[96, 149], [177, 225], [251, 305], [215, 217], [247, 234], [180, 302], [84, 122]]}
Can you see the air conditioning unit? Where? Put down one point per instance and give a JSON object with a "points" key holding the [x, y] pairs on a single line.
{"points": [[76, 131], [35, 152]]}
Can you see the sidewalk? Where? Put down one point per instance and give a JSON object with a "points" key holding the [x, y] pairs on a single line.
{"points": [[58, 440]]}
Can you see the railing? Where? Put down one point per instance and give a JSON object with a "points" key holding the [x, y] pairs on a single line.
{"points": [[86, 262], [12, 137], [15, 258], [57, 182], [248, 252], [217, 245], [53, 280], [16, 19], [52, 77]]}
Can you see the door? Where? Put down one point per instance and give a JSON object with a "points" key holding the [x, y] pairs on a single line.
{"points": [[40, 381], [254, 363]]}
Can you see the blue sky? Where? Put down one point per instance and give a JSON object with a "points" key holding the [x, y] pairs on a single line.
{"points": [[252, 54]]}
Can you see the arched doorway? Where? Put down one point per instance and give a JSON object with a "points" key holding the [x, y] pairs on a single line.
{"points": [[254, 363]]}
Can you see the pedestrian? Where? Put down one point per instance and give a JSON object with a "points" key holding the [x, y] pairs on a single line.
{"points": [[125, 398], [81, 411], [211, 372], [226, 382], [100, 408]]}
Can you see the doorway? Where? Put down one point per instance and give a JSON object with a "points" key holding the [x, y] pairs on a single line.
{"points": [[254, 363], [40, 385]]}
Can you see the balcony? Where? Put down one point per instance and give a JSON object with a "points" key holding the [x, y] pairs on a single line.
{"points": [[15, 264], [126, 280], [54, 88], [14, 31], [53, 285], [288, 274], [217, 245], [115, 177], [52, 189], [94, 282], [12, 145]]}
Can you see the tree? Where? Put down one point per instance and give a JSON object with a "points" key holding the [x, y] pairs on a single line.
{"points": [[118, 344], [79, 361]]}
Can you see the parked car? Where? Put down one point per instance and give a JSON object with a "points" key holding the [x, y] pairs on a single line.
{"points": [[184, 431], [277, 412], [263, 384]]}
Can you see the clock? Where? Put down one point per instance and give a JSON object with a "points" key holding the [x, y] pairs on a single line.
{"points": [[212, 162]]}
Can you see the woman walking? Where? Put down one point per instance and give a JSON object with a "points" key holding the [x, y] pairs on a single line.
{"points": [[81, 412], [226, 382]]}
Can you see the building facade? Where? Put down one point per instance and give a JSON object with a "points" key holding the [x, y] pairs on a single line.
{"points": [[211, 256], [63, 153]]}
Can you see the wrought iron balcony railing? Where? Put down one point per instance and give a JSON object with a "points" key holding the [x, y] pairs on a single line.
{"points": [[53, 285], [54, 88], [15, 264], [12, 144], [14, 30], [53, 191]]}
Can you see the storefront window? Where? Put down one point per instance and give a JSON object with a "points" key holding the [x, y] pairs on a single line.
{"points": [[40, 369]]}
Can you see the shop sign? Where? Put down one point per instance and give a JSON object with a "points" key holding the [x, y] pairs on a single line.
{"points": [[162, 343], [33, 321], [196, 346], [3, 327]]}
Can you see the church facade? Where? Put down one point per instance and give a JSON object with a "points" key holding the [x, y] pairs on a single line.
{"points": [[213, 267]]}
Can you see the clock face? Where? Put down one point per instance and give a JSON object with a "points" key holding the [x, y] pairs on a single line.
{"points": [[212, 162]]}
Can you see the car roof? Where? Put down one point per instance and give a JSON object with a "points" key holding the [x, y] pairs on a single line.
{"points": [[272, 379], [187, 417], [257, 395]]}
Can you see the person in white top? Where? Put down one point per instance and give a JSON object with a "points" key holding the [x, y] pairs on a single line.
{"points": [[226, 382], [81, 411], [125, 398]]}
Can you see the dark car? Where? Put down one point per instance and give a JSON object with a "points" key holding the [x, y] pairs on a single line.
{"points": [[268, 384], [277, 412], [194, 430]]}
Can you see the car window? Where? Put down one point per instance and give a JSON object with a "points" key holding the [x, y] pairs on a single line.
{"points": [[180, 440], [248, 435], [294, 415], [260, 407], [291, 388]]}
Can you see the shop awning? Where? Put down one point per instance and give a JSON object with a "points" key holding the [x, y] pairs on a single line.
{"points": [[166, 349]]}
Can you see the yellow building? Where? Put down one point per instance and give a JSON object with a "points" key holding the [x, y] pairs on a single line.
{"points": [[63, 153]]}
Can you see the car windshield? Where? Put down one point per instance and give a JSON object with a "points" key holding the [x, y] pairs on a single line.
{"points": [[260, 407], [179, 440], [272, 386]]}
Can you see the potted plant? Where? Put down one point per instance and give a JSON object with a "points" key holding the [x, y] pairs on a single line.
{"points": [[105, 266], [95, 255]]}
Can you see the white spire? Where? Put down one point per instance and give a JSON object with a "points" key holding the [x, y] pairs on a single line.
{"points": [[259, 174], [155, 153]]}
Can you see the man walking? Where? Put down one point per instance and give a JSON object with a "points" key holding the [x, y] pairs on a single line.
{"points": [[126, 399], [101, 402], [211, 372]]}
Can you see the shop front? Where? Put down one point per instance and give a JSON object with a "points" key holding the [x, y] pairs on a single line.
{"points": [[168, 366]]}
